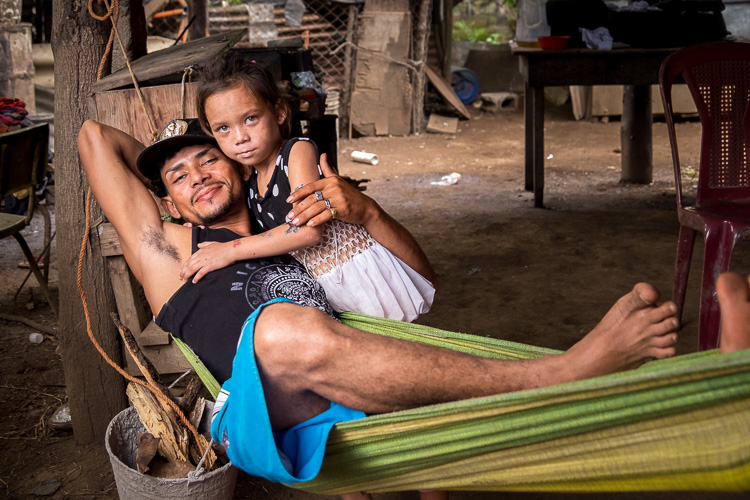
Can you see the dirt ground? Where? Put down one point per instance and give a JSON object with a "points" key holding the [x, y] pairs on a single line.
{"points": [[507, 270]]}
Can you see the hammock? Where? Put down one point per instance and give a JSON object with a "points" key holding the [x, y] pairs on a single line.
{"points": [[676, 424]]}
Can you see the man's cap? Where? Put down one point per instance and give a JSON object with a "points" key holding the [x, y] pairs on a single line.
{"points": [[175, 136]]}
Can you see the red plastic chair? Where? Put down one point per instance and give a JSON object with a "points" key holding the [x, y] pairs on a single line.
{"points": [[718, 77]]}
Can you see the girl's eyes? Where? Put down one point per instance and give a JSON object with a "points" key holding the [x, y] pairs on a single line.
{"points": [[223, 129]]}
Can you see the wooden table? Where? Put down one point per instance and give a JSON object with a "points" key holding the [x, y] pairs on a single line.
{"points": [[636, 69]]}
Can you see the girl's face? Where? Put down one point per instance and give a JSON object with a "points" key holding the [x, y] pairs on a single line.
{"points": [[246, 127]]}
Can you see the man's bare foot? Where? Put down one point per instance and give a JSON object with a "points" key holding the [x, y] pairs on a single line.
{"points": [[734, 301], [633, 331]]}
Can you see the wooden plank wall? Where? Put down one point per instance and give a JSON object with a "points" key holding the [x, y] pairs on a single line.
{"points": [[122, 109], [382, 98]]}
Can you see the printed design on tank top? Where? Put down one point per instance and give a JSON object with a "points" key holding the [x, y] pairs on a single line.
{"points": [[261, 282]]}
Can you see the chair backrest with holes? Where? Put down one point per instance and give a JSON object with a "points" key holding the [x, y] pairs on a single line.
{"points": [[718, 77]]}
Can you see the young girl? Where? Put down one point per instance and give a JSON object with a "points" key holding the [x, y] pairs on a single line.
{"points": [[240, 106]]}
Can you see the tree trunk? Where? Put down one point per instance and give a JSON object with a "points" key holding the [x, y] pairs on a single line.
{"points": [[95, 391], [132, 28], [444, 30], [421, 41]]}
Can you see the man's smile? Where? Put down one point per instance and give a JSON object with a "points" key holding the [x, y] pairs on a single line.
{"points": [[206, 192]]}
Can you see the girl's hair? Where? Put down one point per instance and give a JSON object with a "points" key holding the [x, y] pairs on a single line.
{"points": [[232, 71]]}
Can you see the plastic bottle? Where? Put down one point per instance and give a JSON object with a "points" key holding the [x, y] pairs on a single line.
{"points": [[36, 338], [531, 22]]}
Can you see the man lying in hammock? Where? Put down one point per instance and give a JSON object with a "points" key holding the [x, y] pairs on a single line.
{"points": [[289, 370]]}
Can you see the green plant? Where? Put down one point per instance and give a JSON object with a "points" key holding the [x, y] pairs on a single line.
{"points": [[467, 31]]}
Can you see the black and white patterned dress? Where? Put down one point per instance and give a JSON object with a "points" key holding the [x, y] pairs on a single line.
{"points": [[269, 210], [358, 273]]}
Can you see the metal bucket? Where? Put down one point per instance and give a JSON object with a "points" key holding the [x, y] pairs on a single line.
{"points": [[132, 485]]}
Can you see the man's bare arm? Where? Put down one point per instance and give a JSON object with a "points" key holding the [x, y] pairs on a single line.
{"points": [[108, 156]]}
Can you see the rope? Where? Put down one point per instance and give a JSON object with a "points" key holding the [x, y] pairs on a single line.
{"points": [[199, 470], [183, 90], [79, 282], [115, 7]]}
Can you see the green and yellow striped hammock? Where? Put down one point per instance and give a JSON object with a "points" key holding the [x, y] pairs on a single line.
{"points": [[676, 424]]}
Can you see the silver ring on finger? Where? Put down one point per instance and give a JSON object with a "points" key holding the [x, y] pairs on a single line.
{"points": [[328, 203], [319, 195]]}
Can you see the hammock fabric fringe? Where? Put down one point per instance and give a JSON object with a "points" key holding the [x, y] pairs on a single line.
{"points": [[676, 424]]}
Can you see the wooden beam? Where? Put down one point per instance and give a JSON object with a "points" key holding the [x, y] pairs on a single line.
{"points": [[446, 91], [171, 61]]}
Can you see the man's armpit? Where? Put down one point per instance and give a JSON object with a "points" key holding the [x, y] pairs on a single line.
{"points": [[156, 241]]}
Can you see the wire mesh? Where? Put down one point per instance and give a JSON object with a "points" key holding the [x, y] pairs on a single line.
{"points": [[328, 29], [169, 19]]}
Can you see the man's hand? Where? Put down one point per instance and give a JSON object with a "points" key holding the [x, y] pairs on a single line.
{"points": [[353, 206], [348, 202], [210, 256]]}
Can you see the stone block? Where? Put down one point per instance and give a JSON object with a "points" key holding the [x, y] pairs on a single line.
{"points": [[17, 64]]}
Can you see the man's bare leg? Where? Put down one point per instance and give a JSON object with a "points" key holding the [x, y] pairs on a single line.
{"points": [[306, 359], [734, 300]]}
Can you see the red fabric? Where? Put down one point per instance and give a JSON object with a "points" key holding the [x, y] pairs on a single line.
{"points": [[12, 112]]}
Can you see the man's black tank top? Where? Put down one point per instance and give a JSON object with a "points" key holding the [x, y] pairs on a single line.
{"points": [[208, 315]]}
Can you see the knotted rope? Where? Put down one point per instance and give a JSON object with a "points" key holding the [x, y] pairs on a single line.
{"points": [[183, 89], [79, 282]]}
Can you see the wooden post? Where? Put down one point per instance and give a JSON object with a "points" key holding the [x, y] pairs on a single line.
{"points": [[538, 131], [346, 93], [199, 28], [95, 391], [132, 28], [636, 135], [421, 38], [528, 177]]}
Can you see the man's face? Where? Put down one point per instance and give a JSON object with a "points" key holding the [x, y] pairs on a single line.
{"points": [[203, 185]]}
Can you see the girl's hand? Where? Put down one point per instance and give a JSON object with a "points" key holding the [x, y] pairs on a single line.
{"points": [[209, 257], [350, 204]]}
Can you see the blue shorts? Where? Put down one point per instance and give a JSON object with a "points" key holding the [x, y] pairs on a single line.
{"points": [[241, 423]]}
